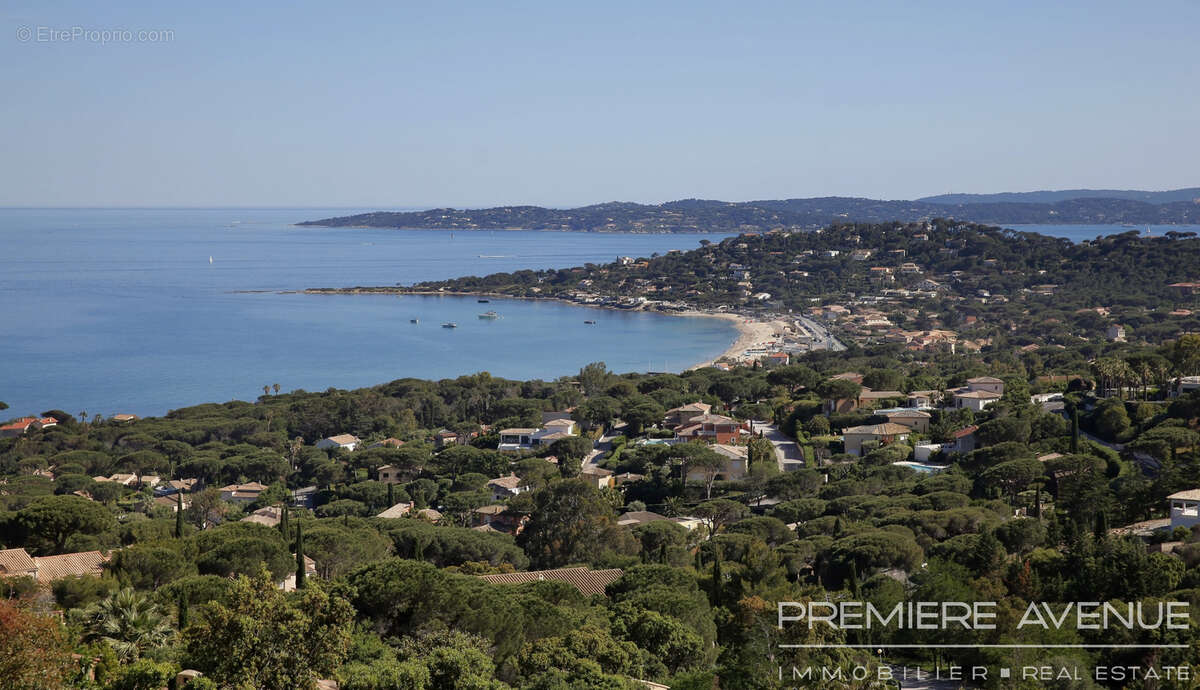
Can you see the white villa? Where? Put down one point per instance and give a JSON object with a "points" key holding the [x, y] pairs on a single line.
{"points": [[1185, 508]]}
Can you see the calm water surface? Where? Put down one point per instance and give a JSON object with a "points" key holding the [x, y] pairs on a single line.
{"points": [[120, 310]]}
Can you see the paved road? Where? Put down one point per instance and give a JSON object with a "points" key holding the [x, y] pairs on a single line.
{"points": [[821, 335], [786, 450], [599, 448]]}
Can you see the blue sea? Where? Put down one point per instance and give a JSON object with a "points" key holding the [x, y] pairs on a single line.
{"points": [[120, 310]]}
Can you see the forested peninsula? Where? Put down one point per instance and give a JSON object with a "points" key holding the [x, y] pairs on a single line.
{"points": [[704, 215]]}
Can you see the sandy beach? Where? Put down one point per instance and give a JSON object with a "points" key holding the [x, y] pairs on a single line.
{"points": [[752, 334]]}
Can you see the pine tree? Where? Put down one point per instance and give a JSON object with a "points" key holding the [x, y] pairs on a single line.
{"points": [[179, 515], [300, 583]]}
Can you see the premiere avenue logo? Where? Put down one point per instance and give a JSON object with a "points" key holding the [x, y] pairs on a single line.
{"points": [[1122, 619]]}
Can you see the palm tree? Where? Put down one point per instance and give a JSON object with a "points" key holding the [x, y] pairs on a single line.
{"points": [[266, 389], [275, 387], [128, 621]]}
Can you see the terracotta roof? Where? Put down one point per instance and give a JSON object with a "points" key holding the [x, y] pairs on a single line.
{"points": [[888, 429], [399, 510], [597, 472], [251, 486], [495, 509], [587, 581], [879, 395], [269, 516], [691, 407], [512, 481], [51, 568], [517, 431], [559, 422], [1189, 495], [735, 452], [343, 439], [388, 442], [984, 379], [965, 431], [430, 514], [978, 395], [486, 528], [16, 562], [909, 414], [637, 517]]}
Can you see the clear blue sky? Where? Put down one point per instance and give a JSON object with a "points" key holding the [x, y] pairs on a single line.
{"points": [[397, 104]]}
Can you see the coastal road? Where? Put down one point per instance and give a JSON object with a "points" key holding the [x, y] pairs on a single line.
{"points": [[821, 335], [787, 453]]}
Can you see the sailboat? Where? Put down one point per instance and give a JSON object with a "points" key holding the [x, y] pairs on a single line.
{"points": [[210, 259]]}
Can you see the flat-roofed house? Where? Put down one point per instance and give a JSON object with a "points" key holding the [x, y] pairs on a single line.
{"points": [[975, 400], [1185, 508], [517, 438], [883, 434]]}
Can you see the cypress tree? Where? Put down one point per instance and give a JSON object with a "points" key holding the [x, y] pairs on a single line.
{"points": [[391, 495], [1075, 430], [1101, 528], [179, 515], [284, 525], [300, 584], [182, 610], [716, 578]]}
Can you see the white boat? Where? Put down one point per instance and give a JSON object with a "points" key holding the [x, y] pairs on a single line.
{"points": [[490, 315], [449, 324]]}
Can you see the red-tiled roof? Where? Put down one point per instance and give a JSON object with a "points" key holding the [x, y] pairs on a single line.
{"points": [[16, 562], [965, 431], [51, 568]]}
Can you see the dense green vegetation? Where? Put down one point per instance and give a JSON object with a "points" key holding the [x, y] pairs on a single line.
{"points": [[1035, 289], [701, 215], [396, 603]]}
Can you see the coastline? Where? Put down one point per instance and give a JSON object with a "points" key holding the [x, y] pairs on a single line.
{"points": [[752, 332]]}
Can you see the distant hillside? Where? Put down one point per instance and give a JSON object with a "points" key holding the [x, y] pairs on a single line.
{"points": [[1050, 197], [699, 215]]}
